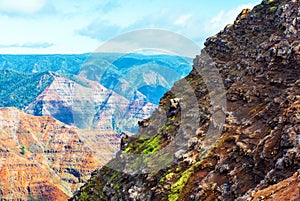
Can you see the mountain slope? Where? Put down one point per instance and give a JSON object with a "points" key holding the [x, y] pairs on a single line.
{"points": [[15, 87], [127, 74], [90, 106], [42, 158], [65, 97], [67, 64], [112, 66], [257, 155], [49, 85]]}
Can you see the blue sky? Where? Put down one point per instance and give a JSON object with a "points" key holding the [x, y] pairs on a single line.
{"points": [[79, 26]]}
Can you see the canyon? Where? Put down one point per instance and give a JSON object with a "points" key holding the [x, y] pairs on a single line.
{"points": [[42, 158], [57, 126]]}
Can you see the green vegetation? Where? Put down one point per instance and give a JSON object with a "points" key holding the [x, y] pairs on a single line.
{"points": [[97, 186], [269, 1], [145, 146], [170, 128], [177, 187], [114, 176], [31, 198], [153, 145], [189, 80], [68, 64], [83, 196], [273, 8], [273, 5], [166, 127], [117, 186], [19, 89], [22, 150], [170, 176], [172, 118]]}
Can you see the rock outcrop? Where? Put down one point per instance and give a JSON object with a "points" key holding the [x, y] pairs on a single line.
{"points": [[257, 155]]}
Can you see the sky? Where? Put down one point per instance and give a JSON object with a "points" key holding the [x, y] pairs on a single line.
{"points": [[81, 26]]}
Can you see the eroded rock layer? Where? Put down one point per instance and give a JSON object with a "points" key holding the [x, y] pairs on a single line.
{"points": [[257, 155], [42, 158]]}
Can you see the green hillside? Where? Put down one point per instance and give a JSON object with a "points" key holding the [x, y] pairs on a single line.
{"points": [[18, 89]]}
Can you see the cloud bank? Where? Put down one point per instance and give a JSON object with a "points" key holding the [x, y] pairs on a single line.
{"points": [[21, 6], [28, 45], [76, 26]]}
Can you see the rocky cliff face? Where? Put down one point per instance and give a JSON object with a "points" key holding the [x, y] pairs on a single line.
{"points": [[257, 155], [42, 158], [89, 105]]}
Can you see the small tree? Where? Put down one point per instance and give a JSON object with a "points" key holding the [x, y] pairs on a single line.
{"points": [[22, 150]]}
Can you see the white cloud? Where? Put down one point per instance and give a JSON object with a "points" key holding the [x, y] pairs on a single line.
{"points": [[36, 45], [21, 6], [151, 39], [182, 19], [58, 32], [76, 26]]}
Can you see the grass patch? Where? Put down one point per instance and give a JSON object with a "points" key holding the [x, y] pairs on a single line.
{"points": [[172, 118], [114, 176], [83, 196], [170, 176], [145, 145], [166, 127], [117, 186], [273, 8], [153, 145], [177, 187], [169, 127]]}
